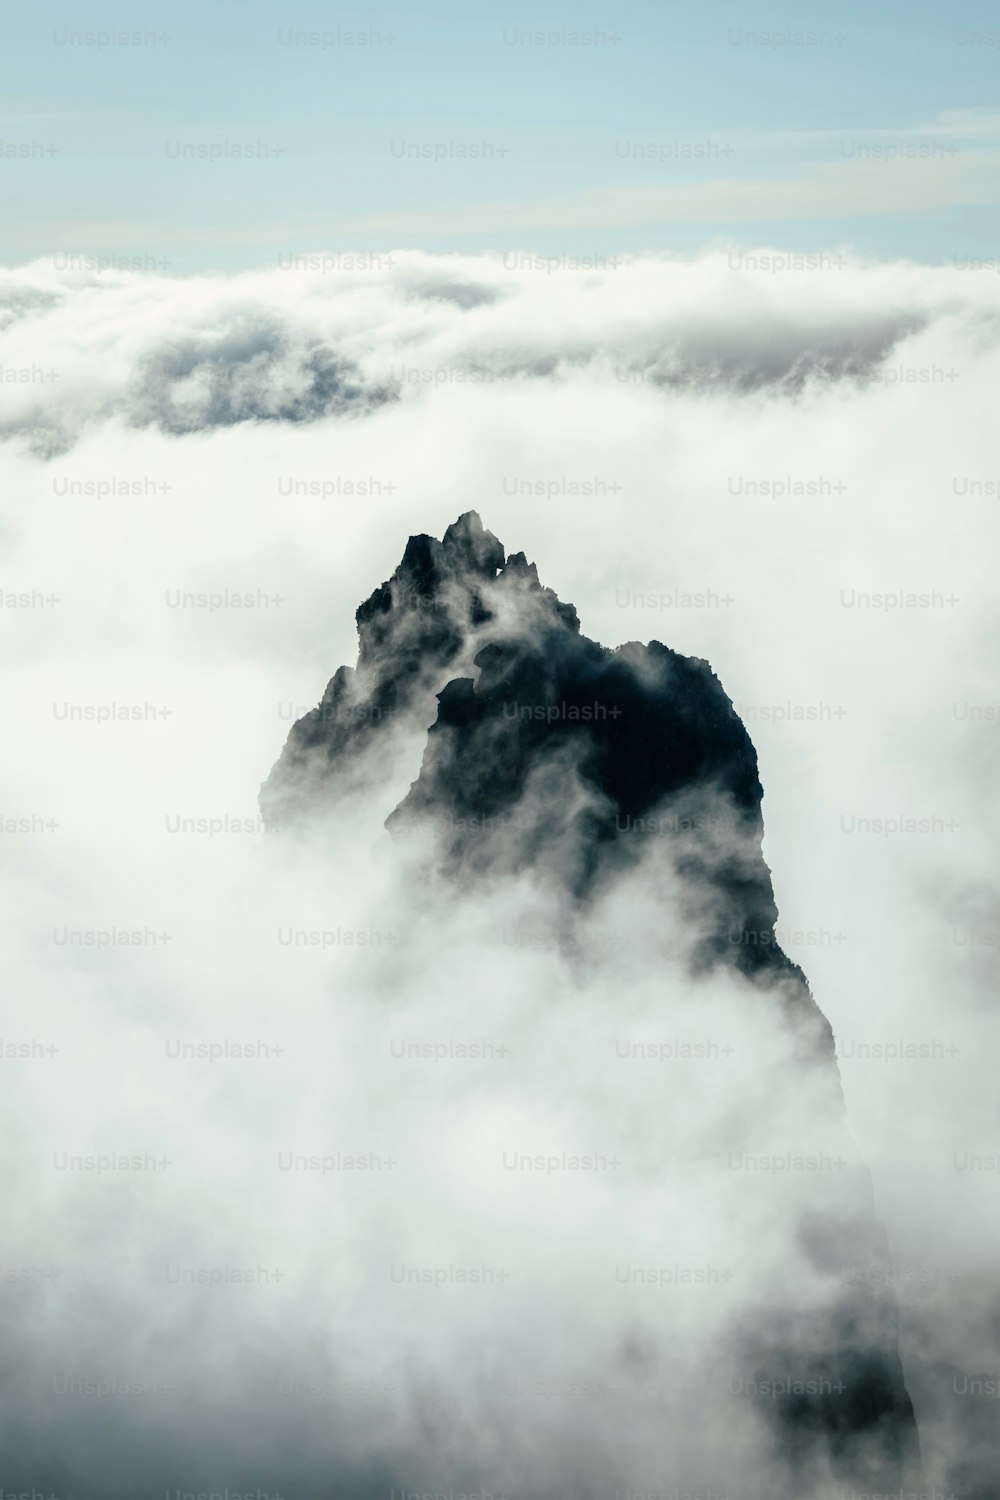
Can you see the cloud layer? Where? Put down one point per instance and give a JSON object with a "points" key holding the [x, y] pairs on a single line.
{"points": [[790, 473], [341, 334]]}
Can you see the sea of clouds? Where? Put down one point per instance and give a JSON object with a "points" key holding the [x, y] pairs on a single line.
{"points": [[790, 472]]}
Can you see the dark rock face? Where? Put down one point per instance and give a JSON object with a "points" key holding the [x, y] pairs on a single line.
{"points": [[412, 634], [545, 751], [649, 736]]}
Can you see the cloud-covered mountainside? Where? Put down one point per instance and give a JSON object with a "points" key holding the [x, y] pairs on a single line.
{"points": [[554, 758], [187, 355]]}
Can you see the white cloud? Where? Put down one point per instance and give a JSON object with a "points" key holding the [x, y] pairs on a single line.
{"points": [[685, 385]]}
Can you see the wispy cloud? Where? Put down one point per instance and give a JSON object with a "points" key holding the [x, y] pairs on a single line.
{"points": [[817, 190]]}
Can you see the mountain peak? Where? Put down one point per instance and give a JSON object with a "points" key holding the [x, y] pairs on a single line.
{"points": [[539, 754], [464, 651]]}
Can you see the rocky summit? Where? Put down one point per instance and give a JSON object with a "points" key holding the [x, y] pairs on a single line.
{"points": [[518, 706]]}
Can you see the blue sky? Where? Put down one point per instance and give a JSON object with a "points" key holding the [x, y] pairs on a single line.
{"points": [[468, 128]]}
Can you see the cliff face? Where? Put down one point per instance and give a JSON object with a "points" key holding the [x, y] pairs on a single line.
{"points": [[545, 752], [470, 645]]}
